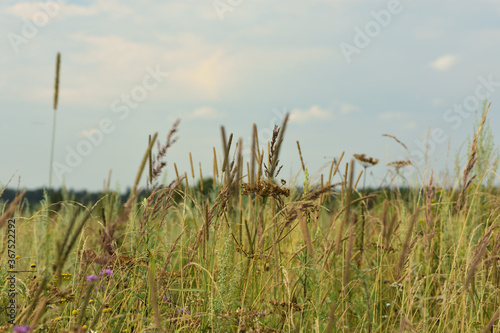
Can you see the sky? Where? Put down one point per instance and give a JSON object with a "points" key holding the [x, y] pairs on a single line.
{"points": [[346, 72]]}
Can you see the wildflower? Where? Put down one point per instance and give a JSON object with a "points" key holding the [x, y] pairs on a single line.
{"points": [[33, 266], [181, 310], [106, 310], [92, 277], [18, 256], [74, 313], [366, 161], [399, 164], [107, 271], [84, 327], [21, 329]]}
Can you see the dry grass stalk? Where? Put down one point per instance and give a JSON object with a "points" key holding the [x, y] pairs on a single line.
{"points": [[489, 326], [158, 161], [275, 149], [399, 164], [191, 162], [305, 234], [153, 292], [348, 197], [25, 315], [220, 204], [157, 205], [226, 148], [239, 164], [478, 255], [259, 171], [176, 172], [253, 153], [10, 210], [150, 160], [331, 174], [215, 167], [301, 160], [65, 248], [466, 181], [187, 183], [390, 230], [429, 233], [350, 245], [396, 139], [56, 99], [56, 87], [384, 220], [172, 249], [406, 249], [143, 164], [357, 180], [406, 324], [201, 179]]}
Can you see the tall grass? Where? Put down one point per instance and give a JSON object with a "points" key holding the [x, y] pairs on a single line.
{"points": [[250, 252]]}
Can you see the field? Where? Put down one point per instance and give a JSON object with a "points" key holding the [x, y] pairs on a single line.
{"points": [[247, 251]]}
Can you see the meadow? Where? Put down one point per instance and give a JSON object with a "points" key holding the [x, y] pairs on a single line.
{"points": [[247, 251]]}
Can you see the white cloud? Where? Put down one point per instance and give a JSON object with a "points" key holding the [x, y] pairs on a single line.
{"points": [[391, 115], [348, 108], [445, 62], [55, 10], [314, 112], [203, 112]]}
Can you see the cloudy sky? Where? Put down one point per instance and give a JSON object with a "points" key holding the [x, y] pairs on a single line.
{"points": [[346, 71]]}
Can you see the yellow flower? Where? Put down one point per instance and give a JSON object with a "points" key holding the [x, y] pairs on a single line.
{"points": [[84, 327], [33, 266], [74, 313], [18, 256]]}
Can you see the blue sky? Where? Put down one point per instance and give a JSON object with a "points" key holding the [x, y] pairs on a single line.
{"points": [[346, 71]]}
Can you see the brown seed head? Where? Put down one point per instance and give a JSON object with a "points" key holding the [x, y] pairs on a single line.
{"points": [[366, 161]]}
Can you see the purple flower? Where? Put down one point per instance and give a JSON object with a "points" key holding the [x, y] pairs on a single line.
{"points": [[181, 310], [21, 329], [92, 278], [108, 272]]}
